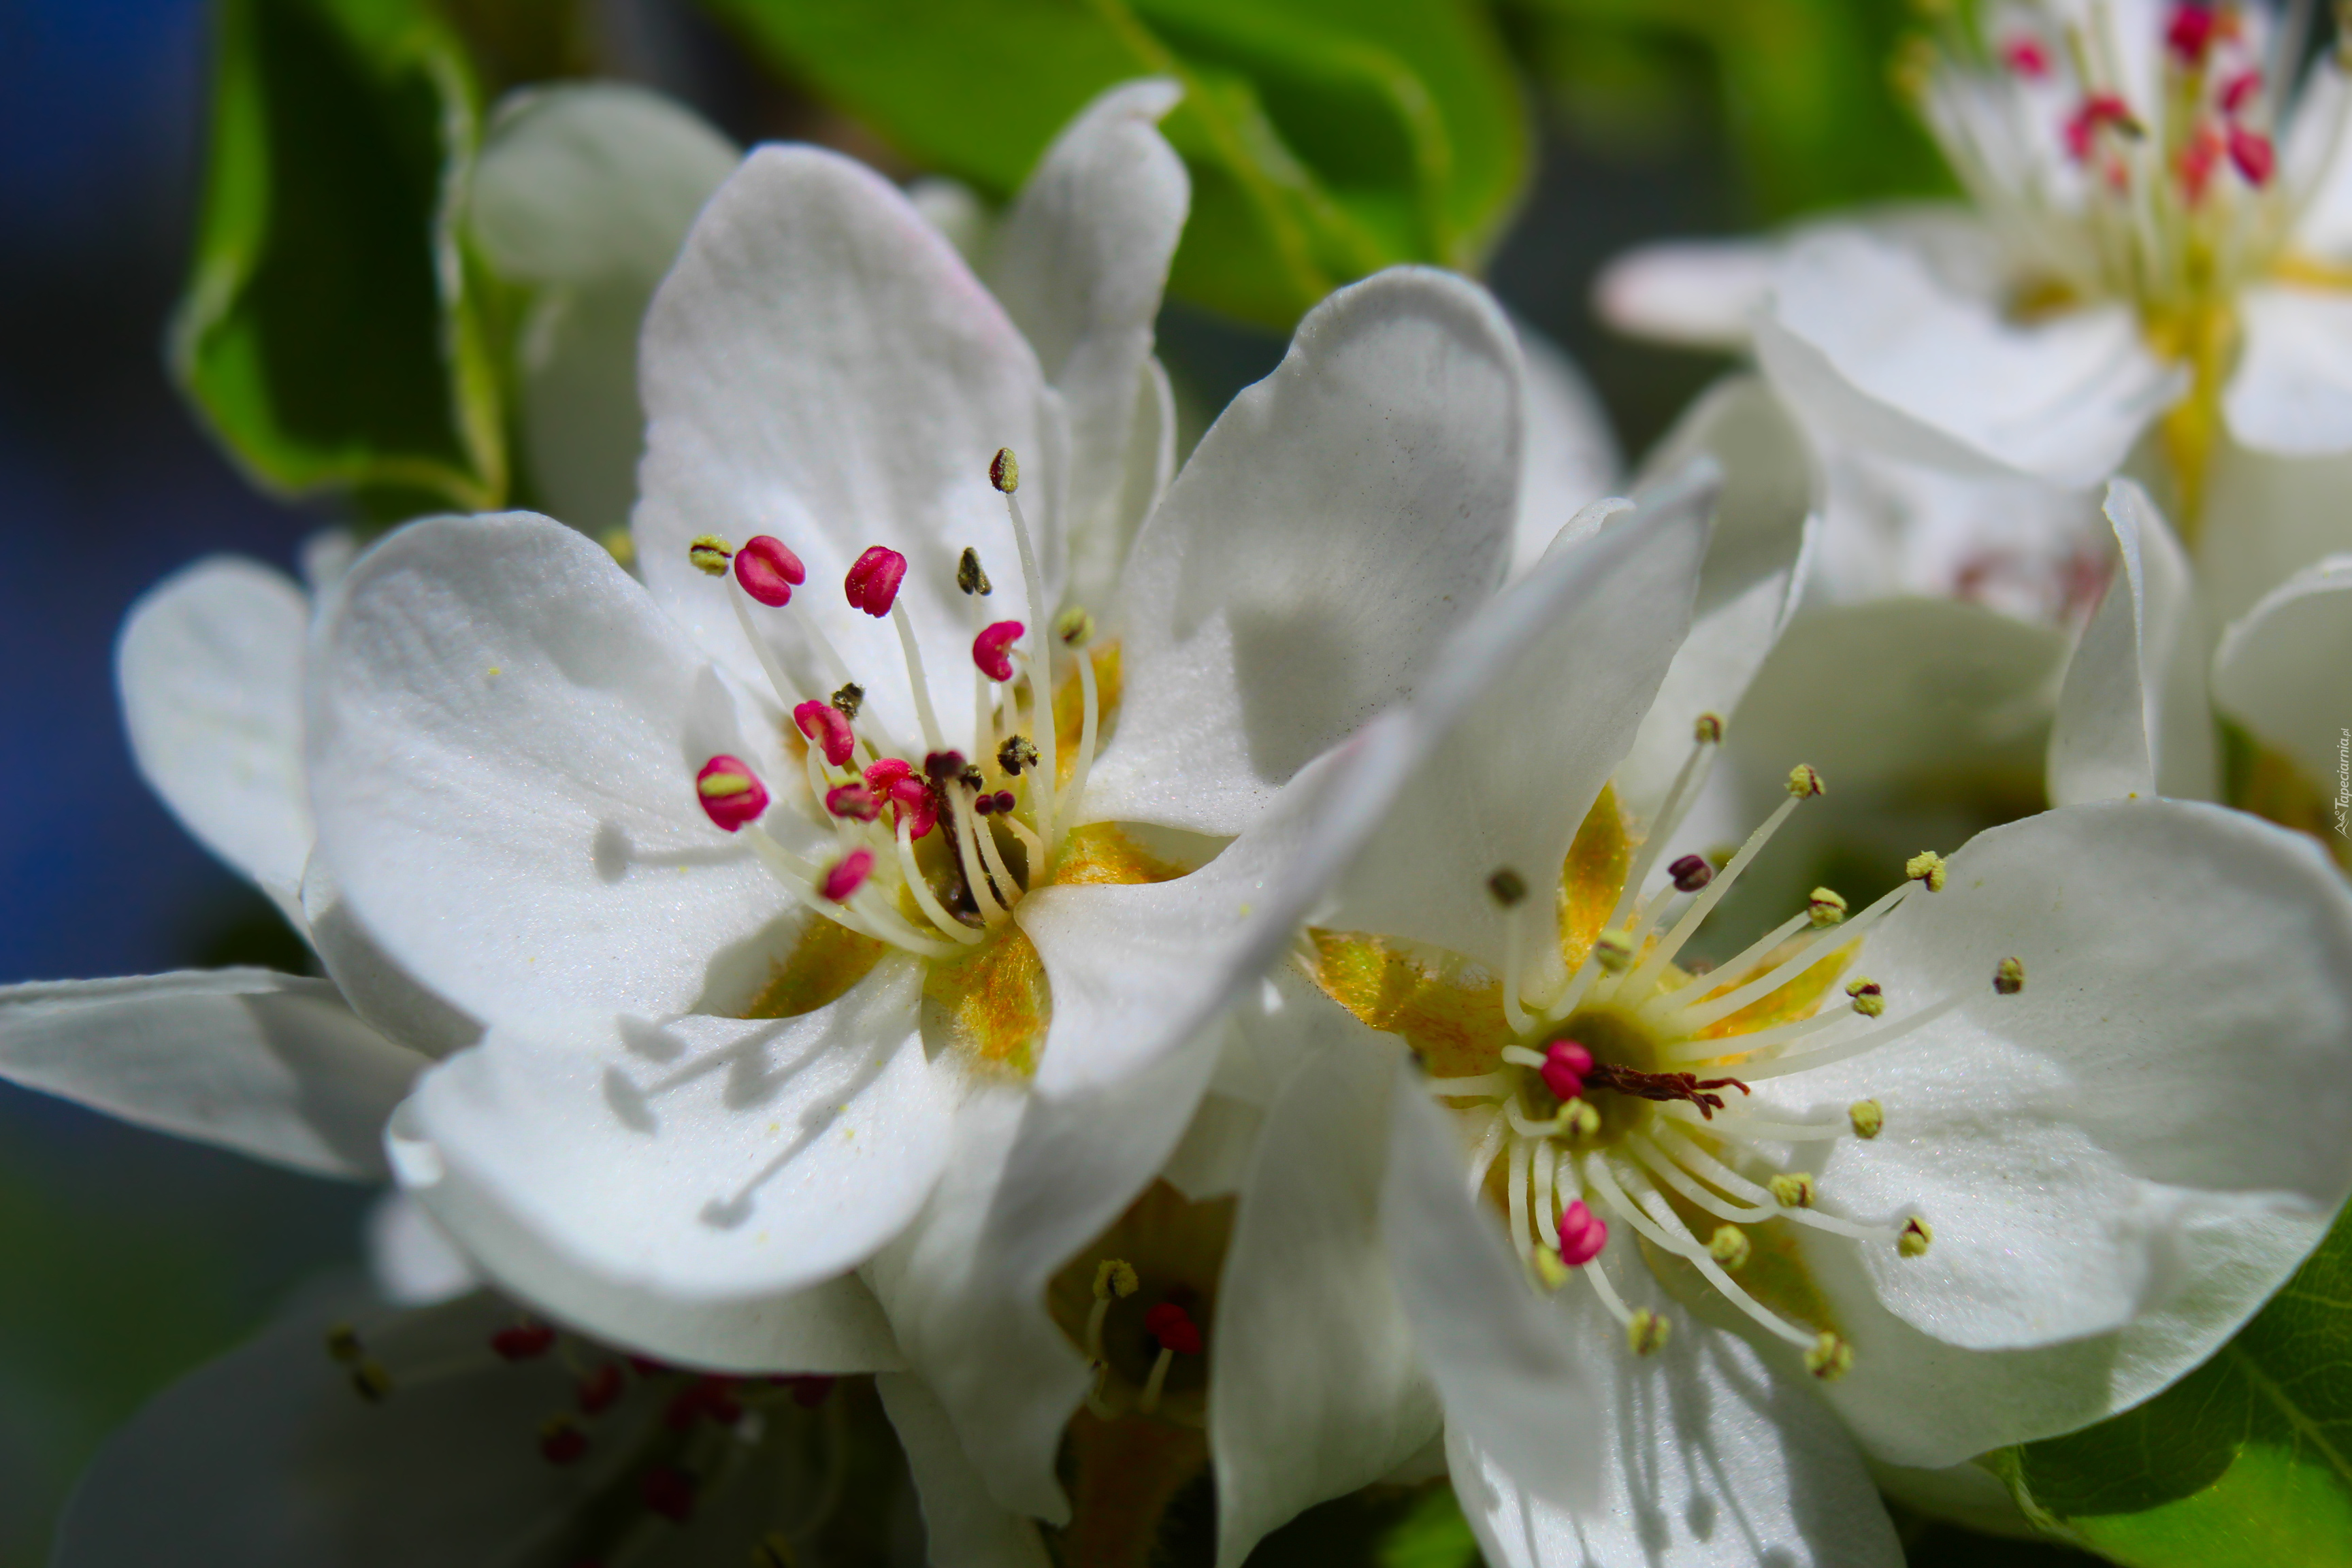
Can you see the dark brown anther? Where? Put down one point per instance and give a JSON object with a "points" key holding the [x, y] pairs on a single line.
{"points": [[1691, 873], [969, 577], [849, 700], [971, 778], [1018, 752], [1508, 886], [940, 766]]}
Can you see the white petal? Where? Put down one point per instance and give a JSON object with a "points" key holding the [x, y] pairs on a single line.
{"points": [[267, 1458], [1693, 293], [2266, 518], [2292, 392], [210, 665], [1764, 523], [1530, 710], [1518, 1377], [1335, 523], [1568, 459], [2132, 717], [1708, 1459], [1314, 1387], [584, 182], [2135, 1139], [2284, 670], [704, 1159], [1033, 1180], [1886, 693], [1079, 263], [1866, 339], [412, 1260], [267, 1064], [386, 996], [504, 734], [822, 366], [965, 1528]]}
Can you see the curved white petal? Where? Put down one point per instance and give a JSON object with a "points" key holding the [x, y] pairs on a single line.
{"points": [[1516, 1375], [1334, 524], [1708, 1459], [2284, 670], [1315, 1388], [1568, 459], [707, 1159], [1079, 263], [268, 1458], [834, 1326], [1693, 294], [210, 665], [584, 182], [1033, 1179], [1522, 720], [386, 996], [965, 1527], [267, 1064], [503, 739], [2265, 519], [1756, 567], [2148, 1127], [821, 365], [2133, 720], [2292, 391], [412, 1260], [1864, 337]]}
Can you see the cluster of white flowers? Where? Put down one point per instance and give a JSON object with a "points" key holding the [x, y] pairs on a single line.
{"points": [[1208, 947]]}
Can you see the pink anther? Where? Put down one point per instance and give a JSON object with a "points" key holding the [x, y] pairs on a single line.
{"points": [[1565, 1065], [1582, 1235], [823, 723], [873, 581], [731, 792], [2189, 33], [1174, 1327], [919, 808], [1003, 801], [2252, 153], [2101, 108], [853, 801], [881, 774], [1691, 873], [984, 805], [2239, 89], [991, 650], [768, 570], [846, 875], [2026, 58]]}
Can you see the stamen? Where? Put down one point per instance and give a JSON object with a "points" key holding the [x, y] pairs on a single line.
{"points": [[1655, 1219], [924, 900], [1490, 1143], [1582, 1235], [1480, 1085], [526, 1341], [1509, 891], [801, 880], [1869, 999], [967, 829], [823, 725], [1804, 783], [731, 792], [781, 683], [1004, 473], [872, 584], [1917, 1234], [1565, 1063], [847, 874], [1177, 1335], [1515, 1181], [1691, 873], [709, 553], [1828, 1357], [1076, 630], [847, 700], [1647, 1332], [969, 576], [853, 801], [995, 858], [1851, 1047], [1925, 867], [768, 570], [1793, 1189], [914, 654], [1707, 735], [1867, 1117], [1545, 1159], [1825, 907], [1017, 752], [2009, 976], [562, 1440], [1829, 941], [1729, 1245], [989, 649], [1115, 1280], [1732, 1050]]}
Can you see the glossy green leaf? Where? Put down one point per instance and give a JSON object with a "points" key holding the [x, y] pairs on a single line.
{"points": [[2245, 1463], [334, 332], [1326, 138]]}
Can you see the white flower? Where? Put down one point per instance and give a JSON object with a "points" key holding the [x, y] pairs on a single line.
{"points": [[585, 809], [2004, 1153]]}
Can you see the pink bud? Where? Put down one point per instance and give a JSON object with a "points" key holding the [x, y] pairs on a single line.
{"points": [[873, 581], [847, 874], [1582, 1235], [731, 792], [990, 649], [768, 569], [853, 801], [1565, 1065], [822, 722], [2252, 152]]}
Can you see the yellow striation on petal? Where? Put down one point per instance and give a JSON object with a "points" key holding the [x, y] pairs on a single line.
{"points": [[1070, 713], [1800, 999], [1100, 853], [825, 961], [1591, 875], [1774, 1271], [1449, 1009], [991, 1004]]}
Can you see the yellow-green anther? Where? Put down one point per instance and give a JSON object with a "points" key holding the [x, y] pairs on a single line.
{"points": [[1075, 627], [1831, 1358], [343, 1343], [1925, 867], [1613, 951], [1549, 1270], [1826, 905], [1729, 1245], [1867, 1116], [710, 553], [373, 1382], [1115, 1278], [2009, 976], [1708, 731], [1916, 1235], [1793, 1190], [1004, 470], [1805, 781], [1647, 1332], [1868, 999], [1582, 1121]]}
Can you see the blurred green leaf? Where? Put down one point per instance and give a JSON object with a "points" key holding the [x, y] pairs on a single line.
{"points": [[2245, 1463], [1434, 1534], [333, 332], [1806, 104], [1326, 138]]}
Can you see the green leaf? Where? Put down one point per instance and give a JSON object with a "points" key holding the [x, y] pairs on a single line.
{"points": [[1434, 1534], [2245, 1463], [1326, 139], [333, 332]]}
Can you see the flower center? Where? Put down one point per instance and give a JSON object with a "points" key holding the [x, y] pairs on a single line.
{"points": [[1618, 1098]]}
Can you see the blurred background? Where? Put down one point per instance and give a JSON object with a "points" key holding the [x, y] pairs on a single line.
{"points": [[127, 1258]]}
